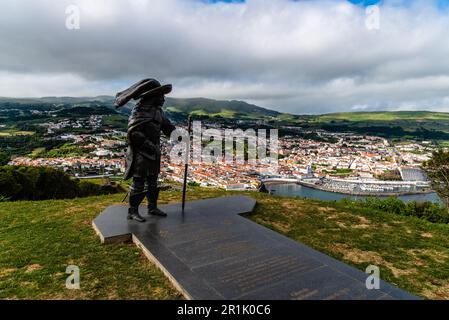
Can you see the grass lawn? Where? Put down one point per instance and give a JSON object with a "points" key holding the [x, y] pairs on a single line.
{"points": [[39, 239], [37, 151]]}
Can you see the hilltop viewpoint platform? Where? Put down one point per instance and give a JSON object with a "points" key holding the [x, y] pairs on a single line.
{"points": [[211, 252]]}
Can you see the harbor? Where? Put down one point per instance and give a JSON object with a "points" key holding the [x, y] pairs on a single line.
{"points": [[369, 187], [303, 191]]}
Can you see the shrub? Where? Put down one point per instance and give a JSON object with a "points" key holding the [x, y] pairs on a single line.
{"points": [[8, 184], [429, 211], [87, 188], [4, 158], [39, 183]]}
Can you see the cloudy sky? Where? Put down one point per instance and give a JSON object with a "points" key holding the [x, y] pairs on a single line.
{"points": [[305, 56]]}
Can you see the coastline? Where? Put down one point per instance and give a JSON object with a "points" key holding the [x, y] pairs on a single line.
{"points": [[368, 194], [356, 193]]}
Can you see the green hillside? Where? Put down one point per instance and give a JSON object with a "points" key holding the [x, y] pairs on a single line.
{"points": [[39, 239], [222, 108], [237, 109], [25, 115], [384, 116], [421, 125], [85, 111], [58, 100], [177, 107]]}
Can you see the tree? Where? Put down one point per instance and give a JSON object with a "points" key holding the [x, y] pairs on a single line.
{"points": [[437, 169], [40, 183], [4, 158]]}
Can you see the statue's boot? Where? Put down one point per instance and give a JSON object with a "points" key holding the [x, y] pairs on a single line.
{"points": [[133, 211], [133, 214], [152, 196]]}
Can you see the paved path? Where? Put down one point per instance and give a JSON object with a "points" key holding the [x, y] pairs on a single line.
{"points": [[210, 252]]}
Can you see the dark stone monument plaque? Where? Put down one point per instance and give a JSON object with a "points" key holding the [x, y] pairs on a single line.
{"points": [[211, 252]]}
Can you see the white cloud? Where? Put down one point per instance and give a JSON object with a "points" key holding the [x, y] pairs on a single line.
{"points": [[58, 84], [302, 57]]}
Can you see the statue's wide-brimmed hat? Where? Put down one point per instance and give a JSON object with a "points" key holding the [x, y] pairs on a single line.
{"points": [[142, 89]]}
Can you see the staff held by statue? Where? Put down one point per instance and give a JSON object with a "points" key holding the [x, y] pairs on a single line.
{"points": [[186, 163]]}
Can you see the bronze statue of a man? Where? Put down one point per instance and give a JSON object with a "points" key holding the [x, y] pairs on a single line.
{"points": [[143, 159]]}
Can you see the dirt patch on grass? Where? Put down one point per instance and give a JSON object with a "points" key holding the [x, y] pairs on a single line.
{"points": [[427, 235], [335, 218], [386, 226], [331, 217], [361, 226], [86, 222], [364, 220], [437, 256], [7, 272], [440, 291], [29, 284], [327, 209], [67, 294], [362, 223], [33, 267], [400, 272], [74, 210], [359, 256], [289, 205], [341, 224], [276, 225], [290, 209], [356, 255], [282, 226]]}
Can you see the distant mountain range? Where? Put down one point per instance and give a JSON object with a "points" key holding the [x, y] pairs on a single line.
{"points": [[235, 109], [59, 100], [195, 106]]}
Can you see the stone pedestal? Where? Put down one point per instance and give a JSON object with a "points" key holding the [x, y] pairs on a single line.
{"points": [[211, 252]]}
